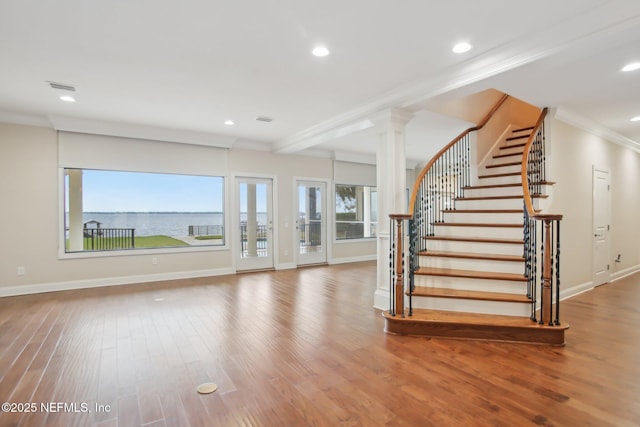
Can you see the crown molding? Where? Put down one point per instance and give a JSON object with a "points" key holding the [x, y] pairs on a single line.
{"points": [[323, 132], [247, 144], [575, 119], [602, 20], [128, 130], [24, 119], [349, 156]]}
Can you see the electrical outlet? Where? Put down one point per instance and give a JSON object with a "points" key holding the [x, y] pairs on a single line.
{"points": [[21, 271], [154, 260]]}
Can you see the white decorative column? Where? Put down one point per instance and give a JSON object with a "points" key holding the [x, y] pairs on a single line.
{"points": [[75, 224], [391, 186]]}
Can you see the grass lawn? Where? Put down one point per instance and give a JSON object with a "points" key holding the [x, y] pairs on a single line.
{"points": [[158, 242], [210, 237]]}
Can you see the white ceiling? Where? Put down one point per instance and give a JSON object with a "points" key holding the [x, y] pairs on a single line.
{"points": [[178, 70]]}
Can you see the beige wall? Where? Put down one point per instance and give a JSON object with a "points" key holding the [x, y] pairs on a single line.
{"points": [[514, 113], [30, 215], [573, 153], [29, 181]]}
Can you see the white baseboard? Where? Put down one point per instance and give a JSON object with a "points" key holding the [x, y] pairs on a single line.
{"points": [[578, 289], [346, 260], [624, 273], [575, 290], [110, 281], [286, 266], [381, 299]]}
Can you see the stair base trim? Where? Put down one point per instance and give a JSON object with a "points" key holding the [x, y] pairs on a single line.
{"points": [[432, 324]]}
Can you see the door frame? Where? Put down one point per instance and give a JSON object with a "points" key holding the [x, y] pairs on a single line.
{"points": [[235, 215], [594, 202], [328, 215]]}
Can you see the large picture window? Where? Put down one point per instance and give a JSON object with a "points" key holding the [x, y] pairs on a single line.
{"points": [[115, 210], [356, 211]]}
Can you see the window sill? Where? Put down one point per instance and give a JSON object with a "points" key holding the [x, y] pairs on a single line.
{"points": [[145, 251]]}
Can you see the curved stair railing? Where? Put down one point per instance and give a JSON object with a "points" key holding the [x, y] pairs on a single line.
{"points": [[541, 232], [440, 182]]}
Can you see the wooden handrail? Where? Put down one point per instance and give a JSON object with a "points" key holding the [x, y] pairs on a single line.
{"points": [[416, 186], [528, 201]]}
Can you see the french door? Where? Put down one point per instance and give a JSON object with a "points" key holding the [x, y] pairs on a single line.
{"points": [[254, 249], [311, 222]]}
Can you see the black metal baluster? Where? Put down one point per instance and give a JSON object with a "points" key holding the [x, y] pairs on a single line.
{"points": [[544, 154]]}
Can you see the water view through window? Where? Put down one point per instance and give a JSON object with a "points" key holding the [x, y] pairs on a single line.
{"points": [[114, 210]]}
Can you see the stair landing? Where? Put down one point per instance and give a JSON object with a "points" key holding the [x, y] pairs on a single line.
{"points": [[485, 327]]}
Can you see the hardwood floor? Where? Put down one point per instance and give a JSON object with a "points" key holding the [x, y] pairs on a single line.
{"points": [[302, 348]]}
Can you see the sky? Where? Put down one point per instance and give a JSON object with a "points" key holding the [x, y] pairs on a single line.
{"points": [[113, 191]]}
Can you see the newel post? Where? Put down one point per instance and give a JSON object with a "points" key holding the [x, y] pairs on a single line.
{"points": [[550, 262], [397, 260], [546, 275]]}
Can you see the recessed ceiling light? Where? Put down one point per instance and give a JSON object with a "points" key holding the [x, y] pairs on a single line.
{"points": [[67, 98], [229, 122], [461, 47], [636, 119], [320, 51], [631, 67]]}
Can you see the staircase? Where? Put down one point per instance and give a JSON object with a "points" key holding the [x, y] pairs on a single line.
{"points": [[471, 277]]}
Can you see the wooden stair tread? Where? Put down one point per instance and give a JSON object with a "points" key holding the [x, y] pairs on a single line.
{"points": [[424, 314], [513, 138], [536, 196], [499, 175], [483, 211], [473, 255], [543, 183], [488, 327], [470, 274], [476, 224], [476, 240], [522, 129], [424, 291], [499, 165], [482, 187], [506, 147], [499, 156]]}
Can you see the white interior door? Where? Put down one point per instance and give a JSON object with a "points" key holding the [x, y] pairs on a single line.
{"points": [[255, 224], [601, 221], [311, 222]]}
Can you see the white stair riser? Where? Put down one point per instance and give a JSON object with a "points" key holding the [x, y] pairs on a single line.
{"points": [[511, 179], [509, 150], [473, 264], [484, 218], [496, 191], [473, 306], [503, 169], [514, 157], [486, 204], [461, 283], [475, 247], [483, 232]]}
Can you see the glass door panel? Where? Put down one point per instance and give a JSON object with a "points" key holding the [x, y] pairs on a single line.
{"points": [[311, 223], [255, 249]]}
